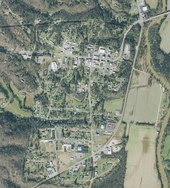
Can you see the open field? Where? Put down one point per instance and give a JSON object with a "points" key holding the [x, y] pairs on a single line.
{"points": [[165, 34], [143, 100], [152, 3], [15, 109], [29, 102], [113, 105], [166, 149], [141, 161], [140, 79]]}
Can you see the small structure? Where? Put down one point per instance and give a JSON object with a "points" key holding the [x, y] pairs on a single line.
{"points": [[82, 148], [145, 9], [39, 59], [102, 50], [53, 66], [107, 151], [66, 147]]}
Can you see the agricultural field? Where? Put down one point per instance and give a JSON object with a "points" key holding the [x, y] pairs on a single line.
{"points": [[152, 3], [143, 100], [141, 161], [166, 149], [165, 153], [165, 34]]}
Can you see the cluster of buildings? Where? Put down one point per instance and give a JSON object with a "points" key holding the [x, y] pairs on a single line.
{"points": [[113, 147], [101, 58]]}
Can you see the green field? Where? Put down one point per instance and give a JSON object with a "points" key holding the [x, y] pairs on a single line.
{"points": [[140, 79], [141, 160], [165, 34], [166, 148], [152, 3], [20, 97], [6, 90], [113, 105], [15, 109]]}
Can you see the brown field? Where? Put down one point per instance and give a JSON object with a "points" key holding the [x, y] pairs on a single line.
{"points": [[141, 169], [29, 101]]}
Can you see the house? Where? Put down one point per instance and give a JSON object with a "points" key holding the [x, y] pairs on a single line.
{"points": [[102, 50], [66, 147], [82, 148], [107, 151], [145, 9], [39, 59], [53, 66]]}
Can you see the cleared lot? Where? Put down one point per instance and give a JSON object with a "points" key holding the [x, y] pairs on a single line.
{"points": [[141, 169]]}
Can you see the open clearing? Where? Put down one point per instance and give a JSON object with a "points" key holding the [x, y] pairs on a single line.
{"points": [[141, 169], [152, 3], [15, 109], [143, 101], [113, 105], [165, 34]]}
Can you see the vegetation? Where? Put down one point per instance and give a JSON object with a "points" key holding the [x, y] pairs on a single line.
{"points": [[114, 179], [158, 58]]}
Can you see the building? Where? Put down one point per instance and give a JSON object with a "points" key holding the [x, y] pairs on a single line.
{"points": [[53, 66], [102, 50], [82, 148], [107, 151], [66, 147], [145, 9]]}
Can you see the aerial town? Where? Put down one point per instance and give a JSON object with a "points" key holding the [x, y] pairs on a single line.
{"points": [[84, 94]]}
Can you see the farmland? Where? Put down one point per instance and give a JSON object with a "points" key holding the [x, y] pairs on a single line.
{"points": [[164, 33], [143, 100], [141, 152], [152, 3]]}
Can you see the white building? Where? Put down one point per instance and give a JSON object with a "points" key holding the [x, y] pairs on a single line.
{"points": [[53, 66]]}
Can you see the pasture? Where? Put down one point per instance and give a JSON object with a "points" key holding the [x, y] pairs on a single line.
{"points": [[141, 160]]}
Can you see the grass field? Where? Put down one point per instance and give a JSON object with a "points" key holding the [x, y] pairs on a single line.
{"points": [[113, 105], [166, 148], [15, 109], [140, 79], [20, 97], [6, 89], [165, 34], [152, 3], [141, 161]]}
